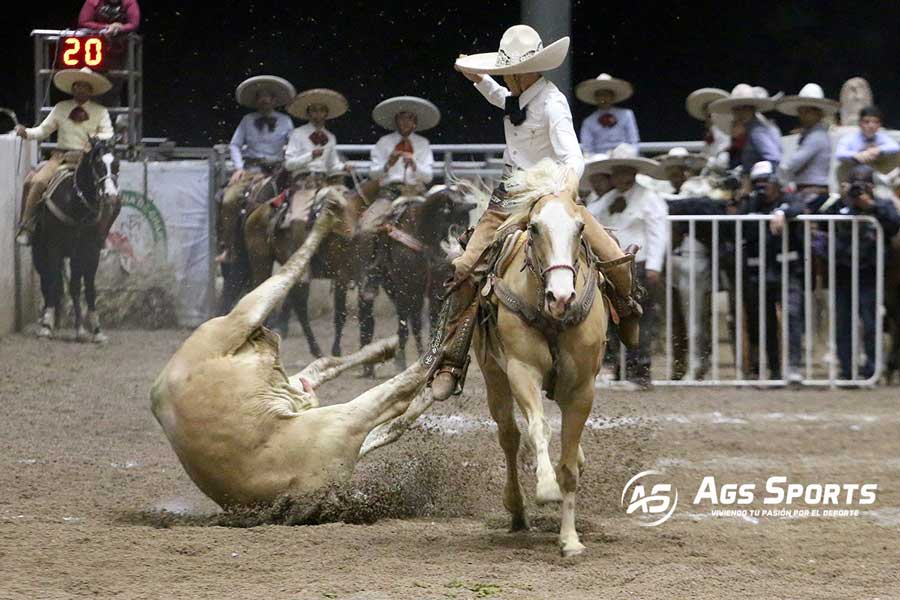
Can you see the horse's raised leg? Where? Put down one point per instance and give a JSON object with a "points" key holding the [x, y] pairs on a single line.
{"points": [[525, 382], [340, 314], [300, 300], [575, 411], [500, 402]]}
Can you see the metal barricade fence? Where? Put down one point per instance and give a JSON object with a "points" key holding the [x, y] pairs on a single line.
{"points": [[740, 373]]}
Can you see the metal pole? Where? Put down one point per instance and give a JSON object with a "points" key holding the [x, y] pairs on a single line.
{"points": [[668, 300], [693, 317], [785, 312], [738, 300], [714, 304], [553, 20], [807, 295], [762, 322], [879, 302], [854, 300], [832, 280], [211, 232]]}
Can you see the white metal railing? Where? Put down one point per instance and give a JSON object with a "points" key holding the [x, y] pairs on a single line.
{"points": [[735, 374]]}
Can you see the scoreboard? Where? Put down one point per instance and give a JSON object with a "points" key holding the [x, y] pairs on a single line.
{"points": [[75, 52]]}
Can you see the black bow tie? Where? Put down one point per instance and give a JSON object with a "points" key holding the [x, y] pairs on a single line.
{"points": [[269, 122], [515, 112]]}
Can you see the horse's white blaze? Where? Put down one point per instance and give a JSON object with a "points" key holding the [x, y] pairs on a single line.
{"points": [[109, 184], [561, 228]]}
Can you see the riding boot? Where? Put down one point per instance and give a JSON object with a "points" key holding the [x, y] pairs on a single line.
{"points": [[450, 360], [619, 274]]}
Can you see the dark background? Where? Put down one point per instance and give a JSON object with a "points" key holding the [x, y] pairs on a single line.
{"points": [[196, 53]]}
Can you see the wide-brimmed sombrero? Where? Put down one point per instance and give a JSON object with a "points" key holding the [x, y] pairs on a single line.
{"points": [[281, 89], [679, 157], [697, 103], [335, 102], [743, 94], [626, 155], [813, 96], [426, 112], [586, 91], [521, 51], [64, 80]]}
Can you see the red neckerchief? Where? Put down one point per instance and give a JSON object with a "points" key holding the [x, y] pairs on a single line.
{"points": [[404, 145], [318, 137], [79, 115]]}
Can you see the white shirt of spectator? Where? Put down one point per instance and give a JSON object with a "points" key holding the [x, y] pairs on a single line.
{"points": [[547, 132], [643, 222], [298, 155], [399, 172]]}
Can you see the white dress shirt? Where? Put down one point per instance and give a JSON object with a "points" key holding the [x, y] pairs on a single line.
{"points": [[298, 155], [250, 141], [643, 222], [547, 131], [69, 134], [622, 129], [399, 172]]}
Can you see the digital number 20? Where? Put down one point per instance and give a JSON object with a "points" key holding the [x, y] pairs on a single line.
{"points": [[93, 52]]}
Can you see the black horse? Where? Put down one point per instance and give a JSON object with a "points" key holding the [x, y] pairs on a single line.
{"points": [[411, 265], [69, 226]]}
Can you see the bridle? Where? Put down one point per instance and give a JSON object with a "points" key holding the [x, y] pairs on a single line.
{"points": [[533, 264], [98, 179]]}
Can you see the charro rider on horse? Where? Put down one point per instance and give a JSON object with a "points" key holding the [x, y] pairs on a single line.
{"points": [[311, 156], [257, 146], [538, 125], [75, 121]]}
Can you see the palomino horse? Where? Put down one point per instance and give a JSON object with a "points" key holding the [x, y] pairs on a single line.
{"points": [[244, 431], [546, 331], [335, 259], [409, 258], [69, 226]]}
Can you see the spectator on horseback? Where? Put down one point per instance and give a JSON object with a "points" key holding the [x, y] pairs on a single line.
{"points": [[537, 125], [609, 125], [859, 198], [808, 168], [638, 215], [75, 121], [715, 141], [257, 147], [311, 155], [869, 145], [767, 198], [753, 137], [403, 159]]}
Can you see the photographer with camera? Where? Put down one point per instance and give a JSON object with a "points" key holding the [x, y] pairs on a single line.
{"points": [[859, 199], [768, 197]]}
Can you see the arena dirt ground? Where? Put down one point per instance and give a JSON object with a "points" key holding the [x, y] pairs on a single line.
{"points": [[93, 502]]}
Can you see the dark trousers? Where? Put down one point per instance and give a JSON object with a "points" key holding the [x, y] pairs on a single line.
{"points": [[773, 327], [844, 325], [637, 362]]}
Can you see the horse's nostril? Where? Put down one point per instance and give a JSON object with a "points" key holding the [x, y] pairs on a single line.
{"points": [[551, 297]]}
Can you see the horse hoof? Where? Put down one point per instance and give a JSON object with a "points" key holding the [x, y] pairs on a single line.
{"points": [[336, 350], [548, 493], [100, 338], [570, 550], [518, 524], [83, 336], [45, 332]]}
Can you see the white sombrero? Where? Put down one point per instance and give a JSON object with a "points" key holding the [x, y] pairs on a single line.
{"points": [[679, 157], [521, 51], [427, 113], [586, 91], [64, 80], [592, 165], [626, 155], [281, 89], [743, 95], [698, 101], [335, 102], [813, 96]]}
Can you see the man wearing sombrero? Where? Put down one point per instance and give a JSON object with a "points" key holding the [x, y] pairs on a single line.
{"points": [[810, 164], [609, 125], [311, 155], [403, 158], [638, 216], [753, 139], [256, 147], [537, 125], [75, 121]]}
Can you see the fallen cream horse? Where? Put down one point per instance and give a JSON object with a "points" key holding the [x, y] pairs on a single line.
{"points": [[244, 431]]}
